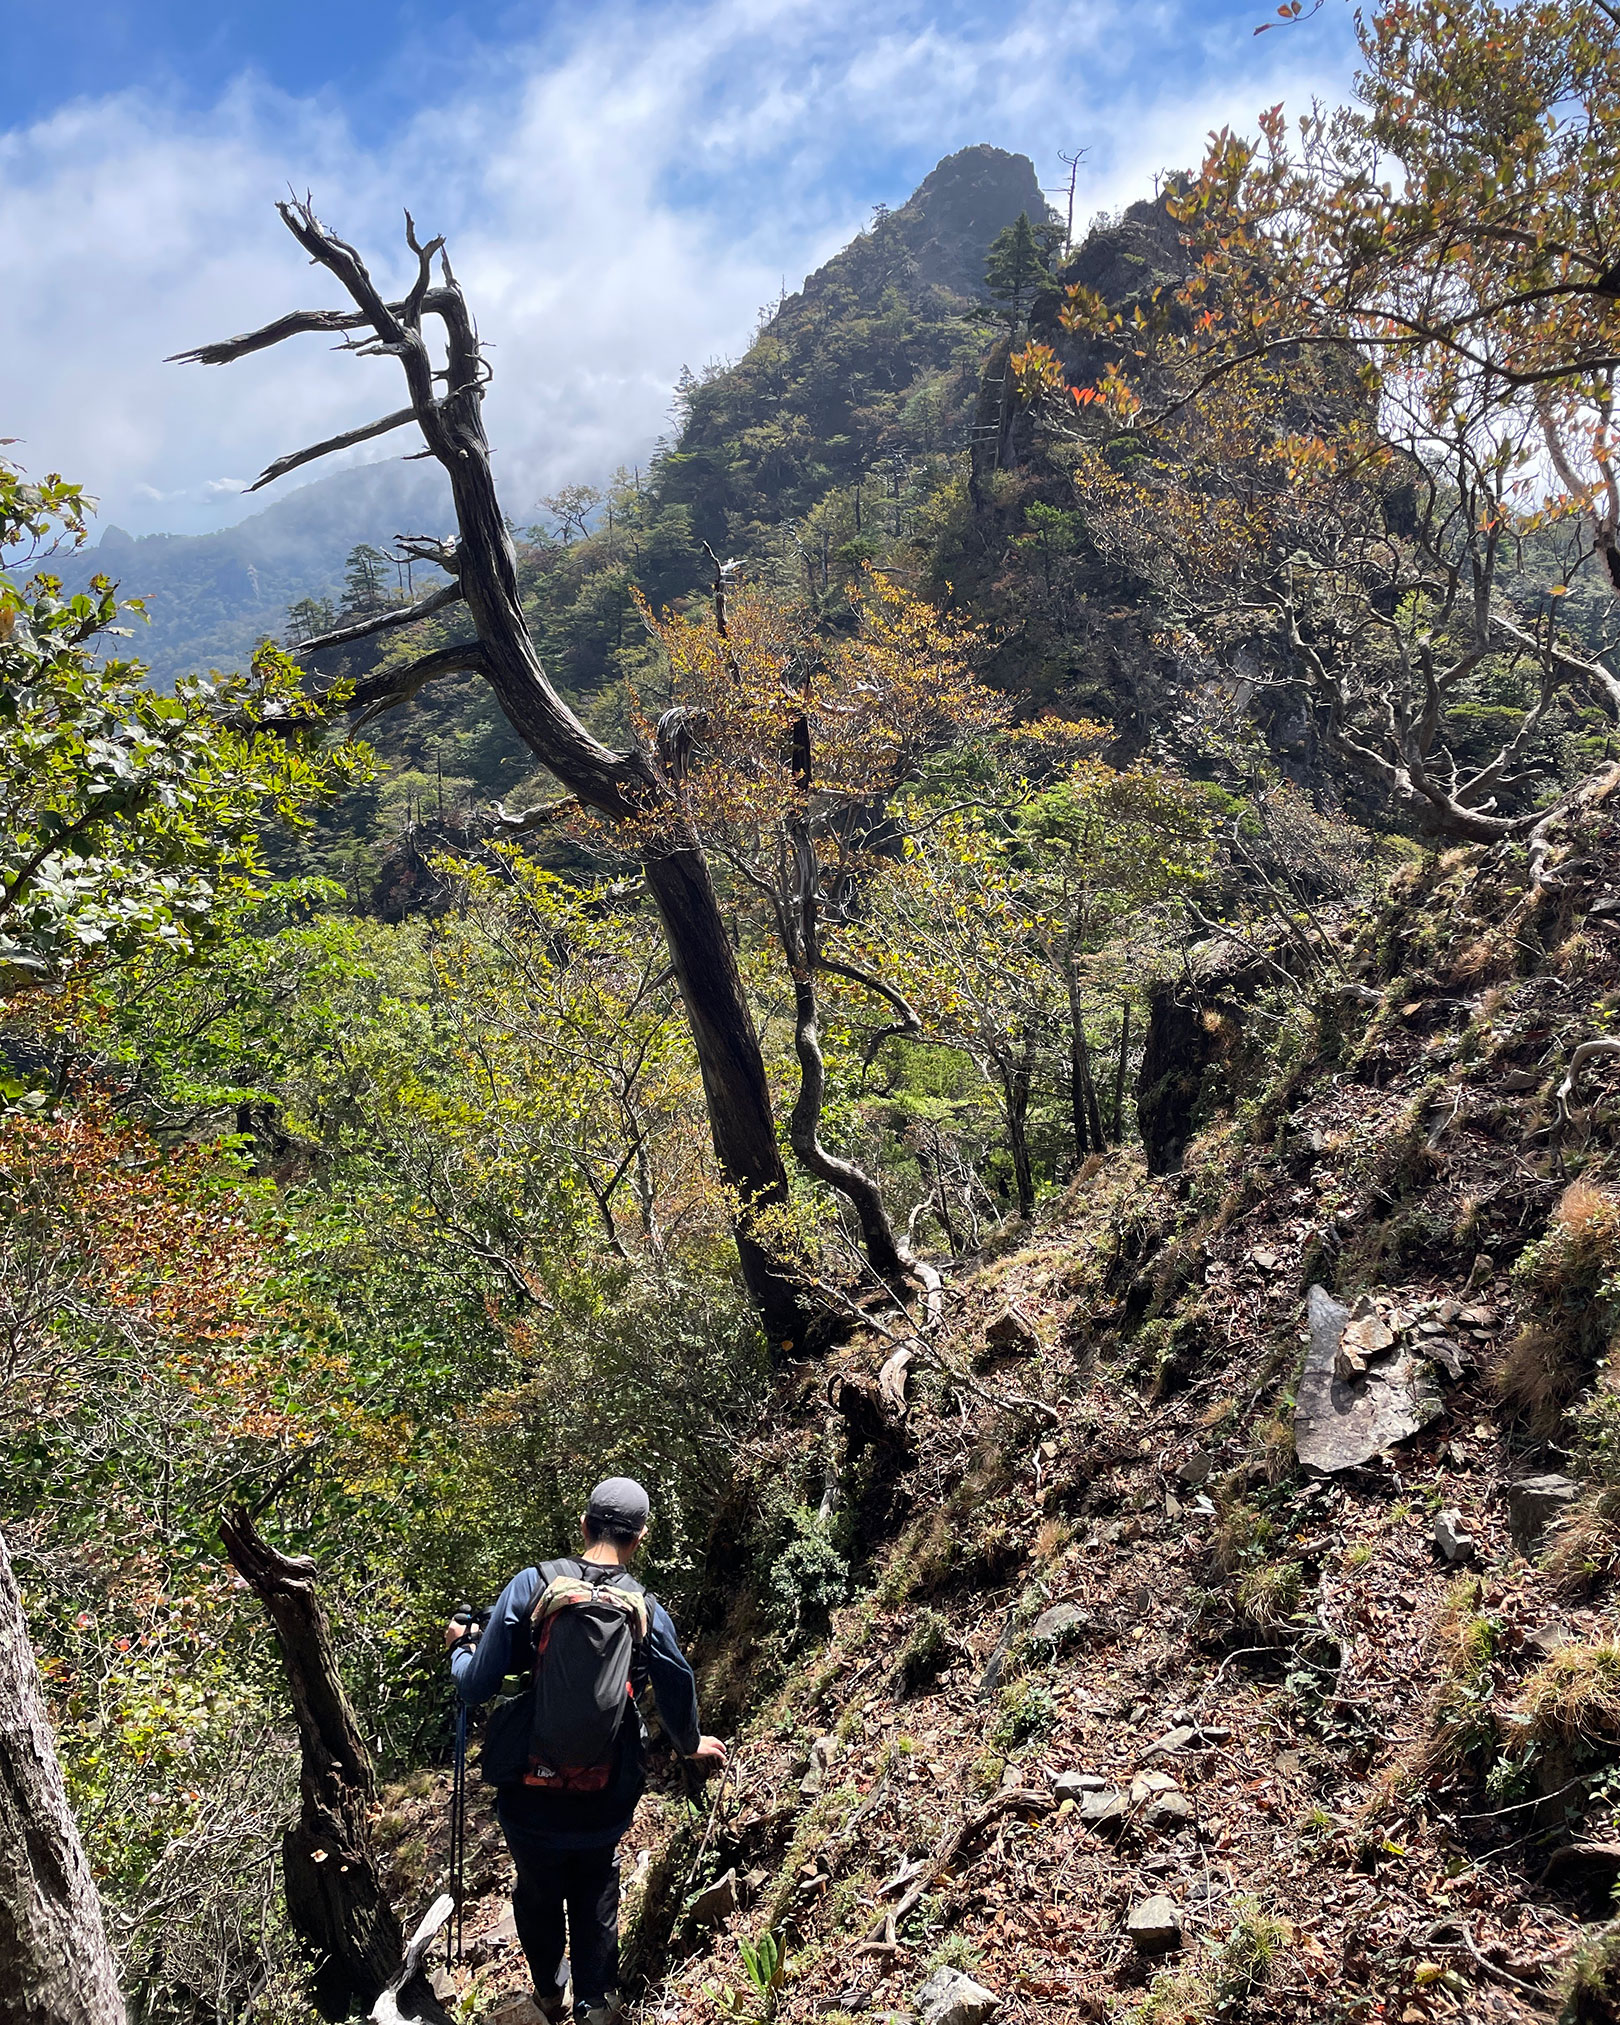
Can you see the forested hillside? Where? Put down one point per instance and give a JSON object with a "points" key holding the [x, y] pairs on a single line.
{"points": [[210, 598], [997, 975]]}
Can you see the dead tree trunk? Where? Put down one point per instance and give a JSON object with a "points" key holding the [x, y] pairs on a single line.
{"points": [[335, 1901], [627, 787], [1119, 1072], [56, 1967], [1017, 1077], [858, 1189]]}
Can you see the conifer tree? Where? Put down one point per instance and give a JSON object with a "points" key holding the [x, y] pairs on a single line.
{"points": [[1018, 268]]}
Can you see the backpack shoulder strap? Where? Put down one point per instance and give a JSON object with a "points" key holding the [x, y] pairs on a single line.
{"points": [[566, 1583]]}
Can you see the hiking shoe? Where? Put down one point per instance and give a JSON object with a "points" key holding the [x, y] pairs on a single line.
{"points": [[608, 2012], [553, 2009]]}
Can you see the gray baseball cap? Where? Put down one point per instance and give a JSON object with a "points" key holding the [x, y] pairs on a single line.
{"points": [[619, 1501]]}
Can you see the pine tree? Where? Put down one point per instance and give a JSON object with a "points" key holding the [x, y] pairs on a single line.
{"points": [[365, 581], [1018, 267], [308, 619]]}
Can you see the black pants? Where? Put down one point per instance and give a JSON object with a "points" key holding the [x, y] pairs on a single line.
{"points": [[586, 1882]]}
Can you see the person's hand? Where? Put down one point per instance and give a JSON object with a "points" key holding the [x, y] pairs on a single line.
{"points": [[455, 1631], [710, 1751]]}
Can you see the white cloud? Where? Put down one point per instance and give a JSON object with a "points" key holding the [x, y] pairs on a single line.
{"points": [[620, 203]]}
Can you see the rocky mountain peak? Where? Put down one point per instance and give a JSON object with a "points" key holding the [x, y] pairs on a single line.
{"points": [[958, 208]]}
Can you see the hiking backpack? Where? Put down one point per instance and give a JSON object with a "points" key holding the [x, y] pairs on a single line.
{"points": [[589, 1625]]}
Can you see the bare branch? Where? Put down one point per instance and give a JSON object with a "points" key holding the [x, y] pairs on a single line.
{"points": [[1586, 1052], [1563, 662], [380, 622], [294, 324], [410, 310], [345, 441], [537, 818], [430, 548], [378, 693]]}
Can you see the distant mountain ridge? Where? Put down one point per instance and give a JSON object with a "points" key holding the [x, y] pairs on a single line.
{"points": [[212, 597], [875, 361]]}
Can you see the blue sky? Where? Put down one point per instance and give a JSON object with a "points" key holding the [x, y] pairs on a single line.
{"points": [[624, 186]]}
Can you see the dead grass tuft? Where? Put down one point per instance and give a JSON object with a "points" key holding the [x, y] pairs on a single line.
{"points": [[1585, 1210], [1051, 1537], [1269, 1594], [1572, 1278], [1585, 1552], [1462, 1722], [1535, 1379], [1573, 1697]]}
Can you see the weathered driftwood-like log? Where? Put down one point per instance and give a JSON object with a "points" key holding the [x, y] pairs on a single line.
{"points": [[335, 1901], [56, 1967]]}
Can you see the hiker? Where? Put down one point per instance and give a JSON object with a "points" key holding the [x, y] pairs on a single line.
{"points": [[565, 1757]]}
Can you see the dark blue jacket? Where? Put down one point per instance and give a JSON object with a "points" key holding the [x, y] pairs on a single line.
{"points": [[578, 1820]]}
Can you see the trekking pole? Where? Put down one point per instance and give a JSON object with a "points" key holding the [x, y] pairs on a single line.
{"points": [[458, 1804], [458, 1837]]}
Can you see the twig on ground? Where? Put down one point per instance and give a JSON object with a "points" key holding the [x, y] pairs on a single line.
{"points": [[1017, 1799], [1537, 1997]]}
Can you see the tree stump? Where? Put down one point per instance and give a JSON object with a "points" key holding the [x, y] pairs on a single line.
{"points": [[335, 1901]]}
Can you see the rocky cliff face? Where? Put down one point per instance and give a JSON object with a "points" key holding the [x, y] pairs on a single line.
{"points": [[957, 210]]}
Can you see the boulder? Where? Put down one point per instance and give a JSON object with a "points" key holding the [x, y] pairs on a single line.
{"points": [[822, 1753], [1342, 1422], [1103, 1809], [1062, 1621], [1183, 1079], [1154, 1925], [718, 1903], [1454, 1543], [516, 2010], [484, 1947], [951, 1998], [1074, 1785], [1170, 1812], [1172, 1741], [1534, 1503], [1365, 1335]]}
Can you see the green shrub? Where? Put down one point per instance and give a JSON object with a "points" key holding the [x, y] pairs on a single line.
{"points": [[1249, 1952], [926, 1653], [809, 1578], [1026, 1712], [1591, 1985]]}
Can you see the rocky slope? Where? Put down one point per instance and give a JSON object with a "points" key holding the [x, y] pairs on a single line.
{"points": [[1109, 1705]]}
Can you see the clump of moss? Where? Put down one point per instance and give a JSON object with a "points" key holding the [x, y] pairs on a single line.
{"points": [[926, 1653], [1183, 1997], [1026, 1711]]}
